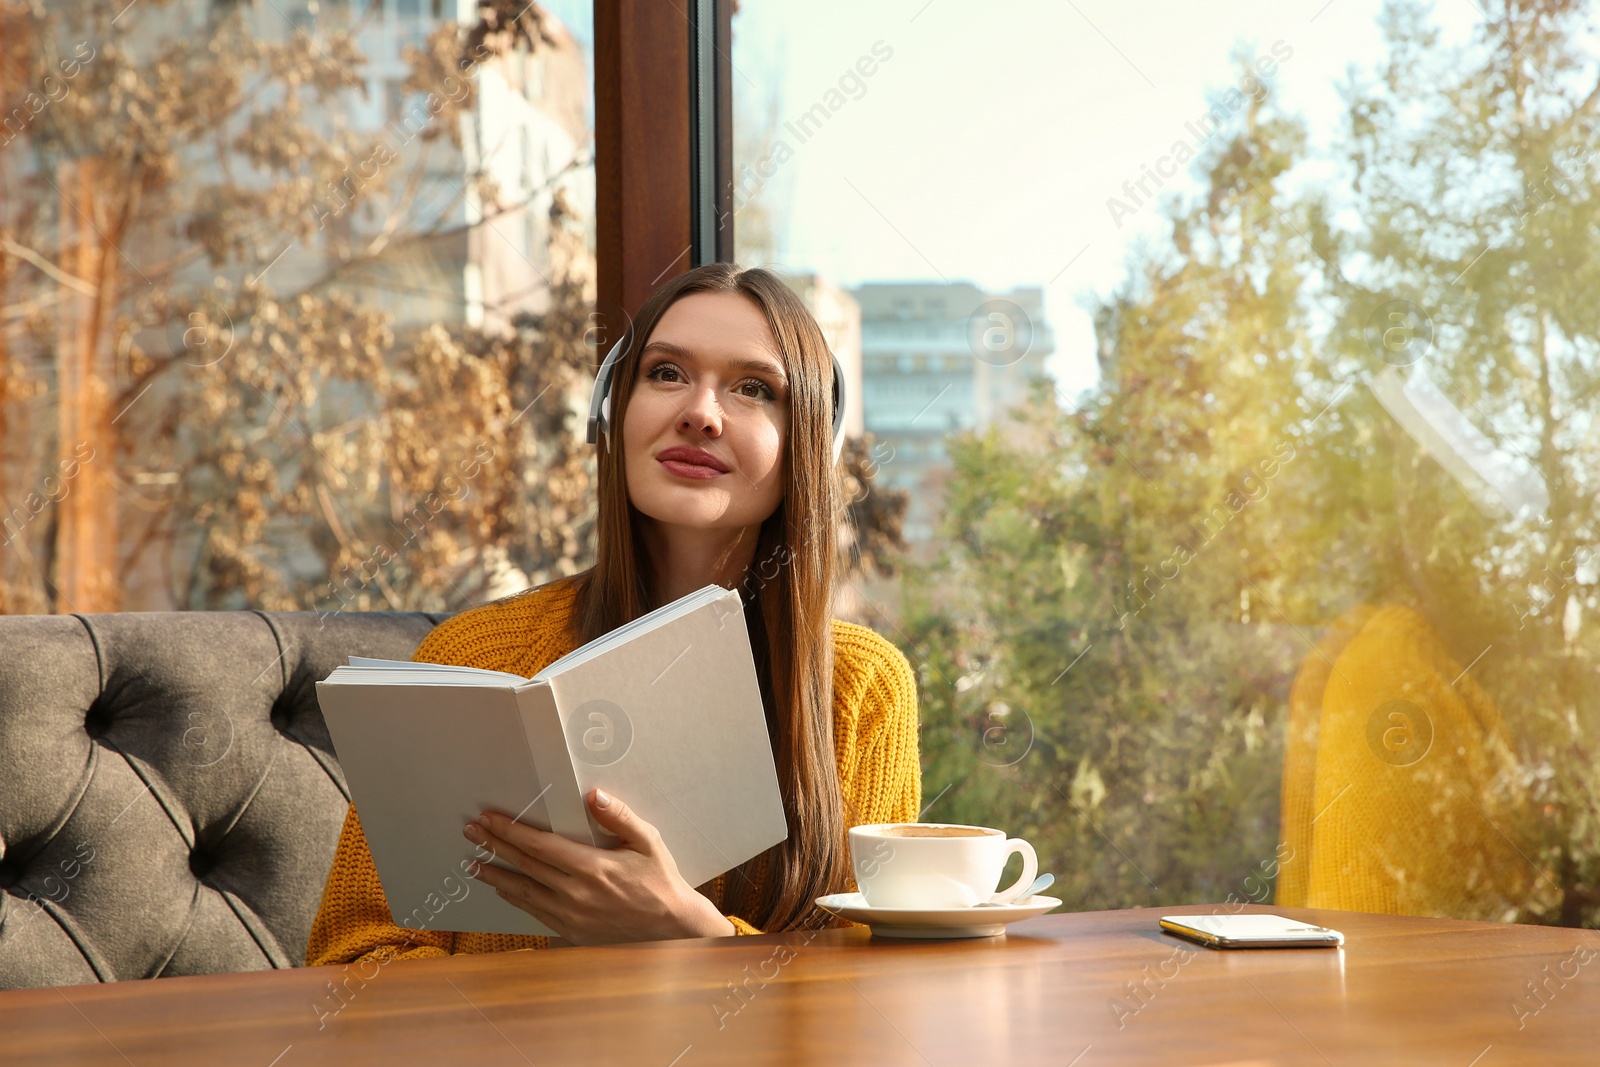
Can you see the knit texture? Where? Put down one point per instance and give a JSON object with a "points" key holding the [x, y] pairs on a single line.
{"points": [[875, 743], [1400, 788]]}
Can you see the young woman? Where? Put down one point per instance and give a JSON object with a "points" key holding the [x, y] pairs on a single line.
{"points": [[719, 468]]}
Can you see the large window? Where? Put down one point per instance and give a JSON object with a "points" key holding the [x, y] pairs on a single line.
{"points": [[1260, 561], [1236, 363]]}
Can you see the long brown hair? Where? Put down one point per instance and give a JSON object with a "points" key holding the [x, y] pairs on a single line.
{"points": [[787, 592]]}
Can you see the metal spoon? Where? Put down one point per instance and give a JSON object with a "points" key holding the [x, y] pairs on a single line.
{"points": [[1040, 884]]}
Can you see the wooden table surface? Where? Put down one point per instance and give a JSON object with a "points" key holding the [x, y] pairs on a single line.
{"points": [[1068, 989]]}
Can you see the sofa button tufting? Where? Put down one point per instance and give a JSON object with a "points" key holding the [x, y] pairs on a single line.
{"points": [[97, 719], [107, 716], [201, 862], [282, 713]]}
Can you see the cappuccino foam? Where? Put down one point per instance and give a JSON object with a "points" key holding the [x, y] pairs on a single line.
{"points": [[932, 831]]}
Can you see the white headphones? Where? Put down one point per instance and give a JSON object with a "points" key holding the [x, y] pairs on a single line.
{"points": [[600, 401]]}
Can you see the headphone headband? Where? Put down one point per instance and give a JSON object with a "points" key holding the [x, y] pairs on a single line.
{"points": [[600, 399]]}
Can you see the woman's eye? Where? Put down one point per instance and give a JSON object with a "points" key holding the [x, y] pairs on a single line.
{"points": [[752, 388]]}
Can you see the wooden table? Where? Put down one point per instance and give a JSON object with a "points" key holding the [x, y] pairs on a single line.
{"points": [[1072, 989]]}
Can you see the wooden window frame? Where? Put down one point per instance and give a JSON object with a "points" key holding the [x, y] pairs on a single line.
{"points": [[663, 143]]}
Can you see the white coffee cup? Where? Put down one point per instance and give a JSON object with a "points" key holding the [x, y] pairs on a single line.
{"points": [[936, 865]]}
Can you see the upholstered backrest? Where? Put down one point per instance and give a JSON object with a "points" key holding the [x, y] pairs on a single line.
{"points": [[169, 798]]}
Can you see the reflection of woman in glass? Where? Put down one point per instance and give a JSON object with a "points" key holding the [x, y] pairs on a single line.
{"points": [[1401, 792], [717, 469]]}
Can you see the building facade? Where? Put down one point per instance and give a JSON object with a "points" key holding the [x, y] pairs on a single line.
{"points": [[509, 194], [839, 316], [940, 359]]}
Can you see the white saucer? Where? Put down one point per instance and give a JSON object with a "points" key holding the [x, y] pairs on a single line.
{"points": [[985, 921]]}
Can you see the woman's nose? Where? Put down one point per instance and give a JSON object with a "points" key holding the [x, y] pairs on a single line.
{"points": [[703, 414]]}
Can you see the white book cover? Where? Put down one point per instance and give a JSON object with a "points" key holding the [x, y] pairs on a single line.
{"points": [[664, 713]]}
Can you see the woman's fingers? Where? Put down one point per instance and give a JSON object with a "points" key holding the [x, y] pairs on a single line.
{"points": [[502, 846], [621, 820], [535, 899], [567, 856], [592, 895]]}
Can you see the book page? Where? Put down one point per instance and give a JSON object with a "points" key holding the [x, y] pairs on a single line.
{"points": [[368, 663], [425, 676]]}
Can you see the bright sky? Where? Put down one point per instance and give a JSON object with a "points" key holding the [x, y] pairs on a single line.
{"points": [[986, 146]]}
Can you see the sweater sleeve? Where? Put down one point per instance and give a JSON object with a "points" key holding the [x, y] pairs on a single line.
{"points": [[898, 738], [876, 730]]}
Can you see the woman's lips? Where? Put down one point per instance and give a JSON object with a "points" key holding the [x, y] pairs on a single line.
{"points": [[690, 470]]}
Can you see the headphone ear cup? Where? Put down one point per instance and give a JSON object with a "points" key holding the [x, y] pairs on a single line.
{"points": [[838, 408], [600, 399]]}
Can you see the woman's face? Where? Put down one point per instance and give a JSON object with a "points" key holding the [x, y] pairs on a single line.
{"points": [[704, 432]]}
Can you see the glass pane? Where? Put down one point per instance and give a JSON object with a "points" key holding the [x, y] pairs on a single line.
{"points": [[296, 304], [1239, 363]]}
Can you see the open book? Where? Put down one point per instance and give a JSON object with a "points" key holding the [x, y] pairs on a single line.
{"points": [[664, 713]]}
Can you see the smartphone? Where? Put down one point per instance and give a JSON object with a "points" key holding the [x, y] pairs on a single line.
{"points": [[1250, 931]]}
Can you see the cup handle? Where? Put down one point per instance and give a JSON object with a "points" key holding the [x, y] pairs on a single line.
{"points": [[1030, 871]]}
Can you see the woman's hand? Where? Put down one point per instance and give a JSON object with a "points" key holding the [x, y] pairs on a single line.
{"points": [[596, 896]]}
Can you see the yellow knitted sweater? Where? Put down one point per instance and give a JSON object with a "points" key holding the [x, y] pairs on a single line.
{"points": [[874, 736]]}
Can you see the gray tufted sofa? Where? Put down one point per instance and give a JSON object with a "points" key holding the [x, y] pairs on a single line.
{"points": [[169, 798]]}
